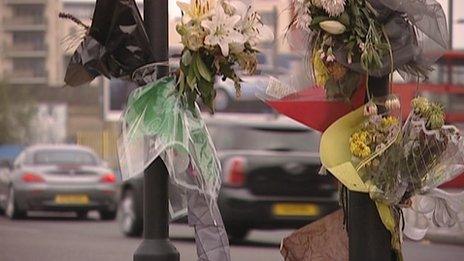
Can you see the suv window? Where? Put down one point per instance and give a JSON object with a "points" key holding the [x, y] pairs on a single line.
{"points": [[231, 137]]}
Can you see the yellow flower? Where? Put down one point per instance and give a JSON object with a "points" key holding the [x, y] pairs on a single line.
{"points": [[320, 70], [420, 105], [359, 144], [389, 121], [360, 150]]}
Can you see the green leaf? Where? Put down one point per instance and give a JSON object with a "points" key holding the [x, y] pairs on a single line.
{"points": [[181, 82], [195, 70], [207, 93], [186, 57], [202, 69], [344, 19], [316, 20], [191, 79]]}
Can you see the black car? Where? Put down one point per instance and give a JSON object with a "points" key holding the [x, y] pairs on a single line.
{"points": [[270, 176]]}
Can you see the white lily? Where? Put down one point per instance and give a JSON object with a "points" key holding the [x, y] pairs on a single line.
{"points": [[251, 25], [197, 9], [221, 30]]}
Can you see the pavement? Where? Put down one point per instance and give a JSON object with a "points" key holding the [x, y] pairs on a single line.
{"points": [[64, 238]]}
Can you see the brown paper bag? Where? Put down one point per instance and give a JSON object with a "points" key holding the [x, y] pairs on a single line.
{"points": [[323, 240]]}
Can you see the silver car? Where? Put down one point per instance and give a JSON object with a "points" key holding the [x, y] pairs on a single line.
{"points": [[58, 178]]}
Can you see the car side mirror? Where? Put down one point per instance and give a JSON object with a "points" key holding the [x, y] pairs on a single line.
{"points": [[6, 164]]}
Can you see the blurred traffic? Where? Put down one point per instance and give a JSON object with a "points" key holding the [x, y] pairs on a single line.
{"points": [[58, 145], [58, 178], [270, 177]]}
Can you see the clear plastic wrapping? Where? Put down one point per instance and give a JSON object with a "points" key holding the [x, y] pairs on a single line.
{"points": [[416, 160], [437, 209], [157, 124], [431, 157]]}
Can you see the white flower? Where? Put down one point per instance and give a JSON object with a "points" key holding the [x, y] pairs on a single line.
{"points": [[332, 27], [197, 9], [194, 37], [392, 103], [317, 3], [362, 47], [370, 109], [236, 8], [221, 30], [303, 15], [250, 24], [333, 7]]}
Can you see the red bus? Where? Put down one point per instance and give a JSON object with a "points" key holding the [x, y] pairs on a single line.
{"points": [[445, 85]]}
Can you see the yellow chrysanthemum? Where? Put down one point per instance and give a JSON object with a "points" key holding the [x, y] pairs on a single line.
{"points": [[359, 144], [360, 150], [360, 136]]}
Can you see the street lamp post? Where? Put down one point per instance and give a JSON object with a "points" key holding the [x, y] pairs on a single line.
{"points": [[368, 239], [156, 245]]}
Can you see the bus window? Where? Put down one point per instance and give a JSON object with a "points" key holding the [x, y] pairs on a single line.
{"points": [[458, 75]]}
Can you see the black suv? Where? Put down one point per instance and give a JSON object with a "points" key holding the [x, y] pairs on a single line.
{"points": [[270, 176]]}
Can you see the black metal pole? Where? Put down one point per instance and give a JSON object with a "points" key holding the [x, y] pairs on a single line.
{"points": [[368, 238], [156, 245]]}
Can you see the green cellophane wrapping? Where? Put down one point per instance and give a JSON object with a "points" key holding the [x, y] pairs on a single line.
{"points": [[158, 123]]}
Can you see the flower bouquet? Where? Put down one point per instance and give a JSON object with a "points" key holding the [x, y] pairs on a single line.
{"points": [[433, 152], [162, 120], [349, 39], [397, 165], [376, 149], [217, 35]]}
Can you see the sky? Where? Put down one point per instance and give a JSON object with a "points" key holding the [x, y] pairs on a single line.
{"points": [[458, 29]]}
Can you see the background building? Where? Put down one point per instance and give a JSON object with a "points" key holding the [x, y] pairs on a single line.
{"points": [[30, 42]]}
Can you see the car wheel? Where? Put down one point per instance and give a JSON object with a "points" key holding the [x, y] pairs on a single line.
{"points": [[129, 222], [108, 214], [81, 214], [236, 233], [12, 210]]}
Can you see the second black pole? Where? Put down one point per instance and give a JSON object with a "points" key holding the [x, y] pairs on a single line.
{"points": [[367, 236], [156, 245]]}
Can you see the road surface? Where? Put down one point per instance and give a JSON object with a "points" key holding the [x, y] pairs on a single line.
{"points": [[68, 239]]}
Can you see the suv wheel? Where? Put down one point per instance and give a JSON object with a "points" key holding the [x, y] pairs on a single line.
{"points": [[108, 214], [129, 222], [236, 233], [81, 215], [11, 209]]}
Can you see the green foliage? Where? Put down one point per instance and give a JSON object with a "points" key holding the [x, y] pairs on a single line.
{"points": [[17, 108], [197, 74]]}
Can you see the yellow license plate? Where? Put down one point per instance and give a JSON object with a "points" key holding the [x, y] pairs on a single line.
{"points": [[72, 199], [295, 209]]}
